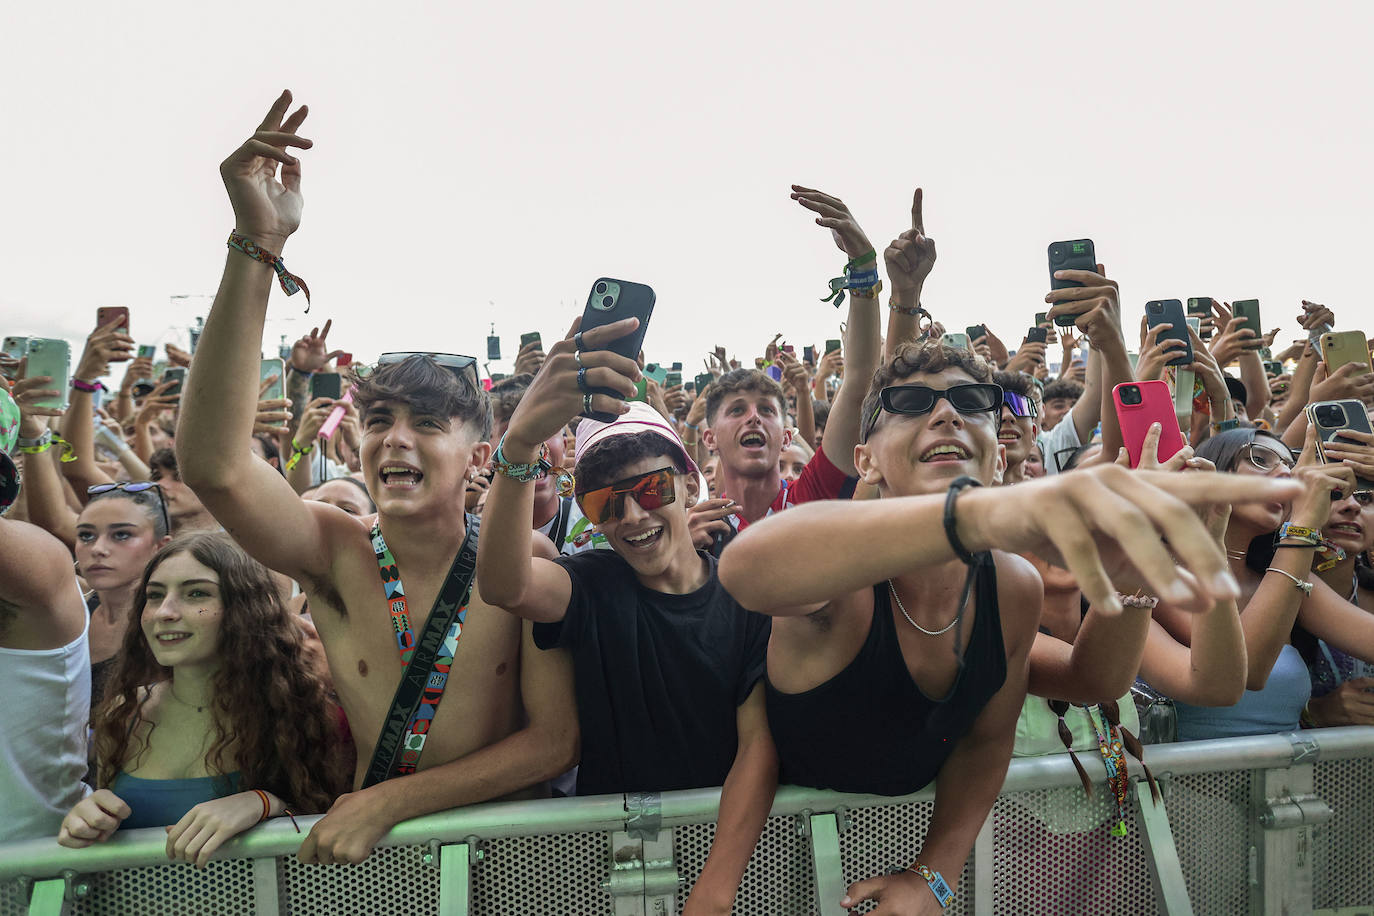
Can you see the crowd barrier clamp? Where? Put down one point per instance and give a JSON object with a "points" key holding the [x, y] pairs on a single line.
{"points": [[1262, 825]]}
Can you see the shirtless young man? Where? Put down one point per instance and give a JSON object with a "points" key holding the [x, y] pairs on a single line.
{"points": [[424, 434], [883, 671]]}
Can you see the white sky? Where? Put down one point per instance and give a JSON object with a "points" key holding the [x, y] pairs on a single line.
{"points": [[468, 154]]}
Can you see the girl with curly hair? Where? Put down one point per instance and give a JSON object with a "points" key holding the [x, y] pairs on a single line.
{"points": [[214, 718]]}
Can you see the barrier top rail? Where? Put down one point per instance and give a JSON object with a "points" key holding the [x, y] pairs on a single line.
{"points": [[43, 858]]}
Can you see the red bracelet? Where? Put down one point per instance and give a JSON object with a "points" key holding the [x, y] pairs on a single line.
{"points": [[266, 805], [82, 385]]}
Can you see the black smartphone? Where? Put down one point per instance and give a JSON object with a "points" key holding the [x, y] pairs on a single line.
{"points": [[610, 301], [326, 385], [703, 380], [1249, 310], [1076, 254], [1037, 334], [676, 366], [809, 354], [832, 345], [531, 337], [975, 331], [1201, 307], [1170, 312], [1273, 367], [493, 347], [174, 374]]}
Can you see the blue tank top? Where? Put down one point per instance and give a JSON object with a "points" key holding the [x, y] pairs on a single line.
{"points": [[1276, 708], [162, 802]]}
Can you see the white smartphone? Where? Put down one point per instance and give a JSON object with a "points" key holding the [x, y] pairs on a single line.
{"points": [[51, 357]]}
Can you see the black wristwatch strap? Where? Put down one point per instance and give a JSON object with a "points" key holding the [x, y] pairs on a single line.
{"points": [[951, 531]]}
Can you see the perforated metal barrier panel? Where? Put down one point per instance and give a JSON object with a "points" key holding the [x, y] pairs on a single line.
{"points": [[1051, 852]]}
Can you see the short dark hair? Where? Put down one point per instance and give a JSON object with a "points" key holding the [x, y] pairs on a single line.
{"points": [[506, 395], [820, 412], [1236, 388], [164, 459], [604, 463], [1063, 388], [737, 380], [916, 357], [424, 386], [1018, 382]]}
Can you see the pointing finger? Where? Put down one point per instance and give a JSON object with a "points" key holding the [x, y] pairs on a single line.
{"points": [[917, 220]]}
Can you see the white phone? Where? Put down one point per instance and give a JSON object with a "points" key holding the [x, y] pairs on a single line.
{"points": [[51, 357]]}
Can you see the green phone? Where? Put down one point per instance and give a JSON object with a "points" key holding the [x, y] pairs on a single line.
{"points": [[674, 378], [703, 380], [832, 345], [1249, 310], [656, 372], [531, 337]]}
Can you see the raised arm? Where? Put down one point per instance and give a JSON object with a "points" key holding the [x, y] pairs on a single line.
{"points": [[254, 503], [507, 575], [78, 423], [1096, 307], [44, 496], [909, 260]]}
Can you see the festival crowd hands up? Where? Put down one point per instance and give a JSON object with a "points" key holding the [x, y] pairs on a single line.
{"points": [[1160, 529]]}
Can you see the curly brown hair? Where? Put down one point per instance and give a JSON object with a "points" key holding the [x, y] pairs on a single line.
{"points": [[917, 357], [268, 703]]}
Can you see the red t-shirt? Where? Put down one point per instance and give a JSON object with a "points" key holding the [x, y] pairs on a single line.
{"points": [[820, 479]]}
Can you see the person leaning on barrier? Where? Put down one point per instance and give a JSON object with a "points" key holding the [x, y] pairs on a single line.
{"points": [[507, 725], [935, 605], [667, 664]]}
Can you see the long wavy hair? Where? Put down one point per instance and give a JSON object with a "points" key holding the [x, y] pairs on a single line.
{"points": [[267, 703]]}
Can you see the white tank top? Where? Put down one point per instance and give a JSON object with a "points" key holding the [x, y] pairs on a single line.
{"points": [[45, 703]]}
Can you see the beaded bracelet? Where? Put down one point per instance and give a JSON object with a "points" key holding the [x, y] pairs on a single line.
{"points": [[290, 283]]}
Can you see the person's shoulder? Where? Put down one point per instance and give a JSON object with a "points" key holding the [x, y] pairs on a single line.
{"points": [[1020, 591]]}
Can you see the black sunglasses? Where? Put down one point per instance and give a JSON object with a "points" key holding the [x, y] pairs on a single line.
{"points": [[140, 487], [914, 400], [463, 367]]}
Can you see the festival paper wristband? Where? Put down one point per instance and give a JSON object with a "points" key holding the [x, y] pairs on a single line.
{"points": [[290, 283]]}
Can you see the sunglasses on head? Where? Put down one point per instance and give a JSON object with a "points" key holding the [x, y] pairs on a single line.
{"points": [[651, 491], [1020, 405], [140, 487], [914, 400], [463, 367]]}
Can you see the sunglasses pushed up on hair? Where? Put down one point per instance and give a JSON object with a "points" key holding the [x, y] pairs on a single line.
{"points": [[915, 400], [463, 367], [651, 490], [142, 486]]}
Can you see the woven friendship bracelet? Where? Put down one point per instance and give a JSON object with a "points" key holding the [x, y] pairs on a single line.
{"points": [[290, 283]]}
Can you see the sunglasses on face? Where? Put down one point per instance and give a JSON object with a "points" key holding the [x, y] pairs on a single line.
{"points": [[651, 491], [463, 367], [140, 487], [915, 400], [1266, 459], [1020, 405]]}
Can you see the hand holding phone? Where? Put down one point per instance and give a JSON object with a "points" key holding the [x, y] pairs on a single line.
{"points": [[1076, 254], [51, 357], [608, 302], [1169, 313], [1138, 406]]}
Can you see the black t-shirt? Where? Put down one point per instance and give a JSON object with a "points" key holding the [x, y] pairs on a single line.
{"points": [[659, 677]]}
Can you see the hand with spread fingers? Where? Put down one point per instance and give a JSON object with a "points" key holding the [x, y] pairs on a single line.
{"points": [[1349, 381], [1155, 353], [530, 359], [104, 345], [832, 213], [1353, 449], [563, 389], [1321, 483], [1234, 340], [706, 519], [311, 353], [268, 210]]}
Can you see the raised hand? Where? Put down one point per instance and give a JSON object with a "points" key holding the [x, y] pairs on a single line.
{"points": [[104, 345], [835, 216], [1231, 342], [1314, 315], [910, 257], [1095, 306], [311, 353], [156, 402], [794, 373], [177, 356], [530, 358], [267, 210], [1029, 357], [1155, 353], [706, 519]]}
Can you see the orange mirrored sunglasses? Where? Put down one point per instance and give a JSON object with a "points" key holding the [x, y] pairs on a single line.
{"points": [[652, 491]]}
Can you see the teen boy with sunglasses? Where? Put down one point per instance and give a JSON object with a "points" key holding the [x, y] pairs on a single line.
{"points": [[506, 721], [905, 658], [666, 663]]}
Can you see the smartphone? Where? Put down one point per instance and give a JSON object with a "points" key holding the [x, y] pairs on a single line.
{"points": [[1330, 418], [677, 366], [326, 385], [1037, 334], [493, 347], [268, 368], [147, 351], [1139, 404], [531, 337], [343, 360], [956, 340], [108, 315], [641, 390], [809, 354], [174, 374], [832, 346], [703, 380], [1042, 318], [1341, 347], [774, 371], [657, 373], [1201, 307], [1273, 367], [53, 358], [674, 378], [1170, 312], [1076, 254], [1249, 310], [14, 347], [609, 301], [976, 331]]}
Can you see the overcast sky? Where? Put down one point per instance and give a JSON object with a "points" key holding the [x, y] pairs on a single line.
{"points": [[479, 163]]}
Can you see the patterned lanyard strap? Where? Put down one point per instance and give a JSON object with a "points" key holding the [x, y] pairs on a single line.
{"points": [[1114, 757], [417, 729]]}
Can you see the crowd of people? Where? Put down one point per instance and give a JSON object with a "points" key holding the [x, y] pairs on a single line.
{"points": [[901, 558]]}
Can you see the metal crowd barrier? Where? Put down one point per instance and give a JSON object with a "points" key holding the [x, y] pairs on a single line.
{"points": [[1270, 824]]}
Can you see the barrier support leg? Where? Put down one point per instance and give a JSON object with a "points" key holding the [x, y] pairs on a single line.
{"points": [[455, 879], [266, 894], [982, 869], [49, 898], [1166, 872], [829, 868]]}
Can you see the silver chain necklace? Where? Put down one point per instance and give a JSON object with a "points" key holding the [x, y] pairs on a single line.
{"points": [[945, 629]]}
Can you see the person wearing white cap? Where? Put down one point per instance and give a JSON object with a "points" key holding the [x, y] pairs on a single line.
{"points": [[667, 665]]}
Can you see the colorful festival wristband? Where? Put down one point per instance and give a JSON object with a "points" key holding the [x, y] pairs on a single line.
{"points": [[290, 283], [83, 385], [853, 278]]}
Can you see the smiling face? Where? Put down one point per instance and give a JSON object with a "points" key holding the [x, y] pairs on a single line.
{"points": [[1017, 435], [1351, 523], [417, 464], [908, 455], [652, 540], [748, 433], [115, 539], [181, 617]]}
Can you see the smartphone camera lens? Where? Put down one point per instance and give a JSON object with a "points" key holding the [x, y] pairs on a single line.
{"points": [[607, 302], [1130, 396], [600, 288], [1331, 415], [1057, 253]]}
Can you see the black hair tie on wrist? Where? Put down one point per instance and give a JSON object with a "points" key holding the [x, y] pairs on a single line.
{"points": [[951, 533]]}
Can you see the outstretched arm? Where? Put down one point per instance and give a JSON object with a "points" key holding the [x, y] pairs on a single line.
{"points": [[254, 503]]}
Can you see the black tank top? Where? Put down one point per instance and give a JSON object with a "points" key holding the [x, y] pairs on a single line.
{"points": [[903, 735]]}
